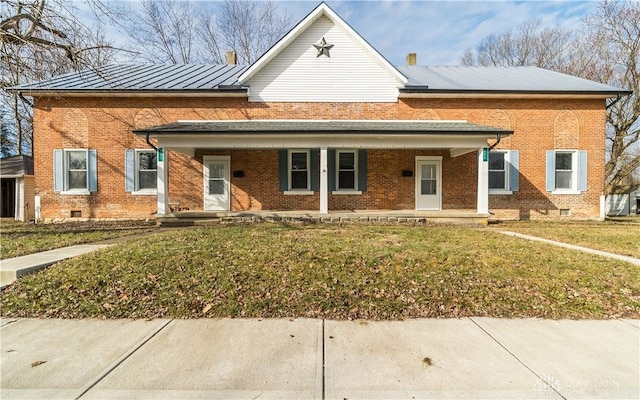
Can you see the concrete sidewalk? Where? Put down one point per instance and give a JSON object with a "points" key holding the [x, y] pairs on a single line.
{"points": [[468, 358]]}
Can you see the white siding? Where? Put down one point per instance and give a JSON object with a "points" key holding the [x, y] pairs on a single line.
{"points": [[351, 74]]}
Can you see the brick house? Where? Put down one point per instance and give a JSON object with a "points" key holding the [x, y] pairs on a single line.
{"points": [[321, 122]]}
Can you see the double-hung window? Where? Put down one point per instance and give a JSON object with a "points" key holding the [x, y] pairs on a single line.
{"points": [[347, 176], [299, 177], [75, 171], [141, 171], [503, 171], [566, 171]]}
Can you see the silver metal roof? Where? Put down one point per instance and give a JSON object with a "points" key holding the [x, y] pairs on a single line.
{"points": [[498, 79], [149, 77], [191, 77], [391, 127]]}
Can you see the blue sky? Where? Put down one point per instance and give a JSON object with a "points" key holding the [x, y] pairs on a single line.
{"points": [[438, 31]]}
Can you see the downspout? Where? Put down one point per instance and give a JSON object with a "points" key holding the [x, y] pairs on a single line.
{"points": [[498, 139], [151, 144]]}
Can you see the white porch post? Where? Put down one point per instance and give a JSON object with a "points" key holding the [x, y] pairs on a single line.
{"points": [[324, 182], [162, 181], [483, 181]]}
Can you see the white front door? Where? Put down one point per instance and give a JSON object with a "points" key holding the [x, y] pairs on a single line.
{"points": [[217, 186], [428, 183]]}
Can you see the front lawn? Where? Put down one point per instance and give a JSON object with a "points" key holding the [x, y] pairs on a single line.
{"points": [[621, 236], [19, 238], [329, 271]]}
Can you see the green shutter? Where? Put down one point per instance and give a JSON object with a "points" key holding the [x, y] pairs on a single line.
{"points": [[362, 170], [283, 169], [331, 169], [314, 169]]}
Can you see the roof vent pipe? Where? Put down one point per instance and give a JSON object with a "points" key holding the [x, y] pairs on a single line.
{"points": [[412, 59], [231, 57]]}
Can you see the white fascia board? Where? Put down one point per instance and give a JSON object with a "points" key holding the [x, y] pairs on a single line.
{"points": [[319, 11], [254, 142]]}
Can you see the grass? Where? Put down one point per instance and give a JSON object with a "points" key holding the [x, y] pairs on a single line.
{"points": [[329, 271], [18, 238], [612, 236]]}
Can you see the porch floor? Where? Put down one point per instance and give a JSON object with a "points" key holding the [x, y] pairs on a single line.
{"points": [[413, 217]]}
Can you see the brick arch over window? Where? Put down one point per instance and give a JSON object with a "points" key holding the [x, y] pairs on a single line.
{"points": [[566, 130], [146, 117], [75, 129], [500, 119]]}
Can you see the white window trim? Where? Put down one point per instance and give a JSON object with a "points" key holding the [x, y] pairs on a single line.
{"points": [[347, 191], [308, 190], [574, 172], [136, 175], [299, 192], [507, 168], [65, 173]]}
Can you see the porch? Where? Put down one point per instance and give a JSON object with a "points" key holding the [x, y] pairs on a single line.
{"points": [[411, 217]]}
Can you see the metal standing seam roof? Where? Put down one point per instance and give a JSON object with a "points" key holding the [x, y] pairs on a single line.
{"points": [[149, 77], [498, 79], [388, 127], [220, 77]]}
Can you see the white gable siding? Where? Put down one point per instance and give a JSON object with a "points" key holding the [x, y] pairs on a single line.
{"points": [[351, 74]]}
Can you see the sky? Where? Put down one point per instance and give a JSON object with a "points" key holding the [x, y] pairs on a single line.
{"points": [[438, 31]]}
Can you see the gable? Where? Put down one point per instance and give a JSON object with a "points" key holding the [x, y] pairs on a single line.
{"points": [[353, 72]]}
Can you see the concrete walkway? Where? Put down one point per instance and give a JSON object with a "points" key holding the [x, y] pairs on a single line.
{"points": [[469, 358], [601, 253], [13, 268]]}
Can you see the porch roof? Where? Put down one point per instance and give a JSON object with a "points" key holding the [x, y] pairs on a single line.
{"points": [[310, 127]]}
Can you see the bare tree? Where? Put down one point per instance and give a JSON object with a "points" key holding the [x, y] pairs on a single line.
{"points": [[250, 28], [39, 39], [185, 32], [165, 31], [606, 49]]}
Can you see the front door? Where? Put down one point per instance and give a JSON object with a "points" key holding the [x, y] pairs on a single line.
{"points": [[428, 183], [217, 186]]}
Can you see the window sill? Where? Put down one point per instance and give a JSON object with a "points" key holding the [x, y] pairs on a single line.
{"points": [[145, 193], [346, 192], [298, 192], [76, 193], [500, 192]]}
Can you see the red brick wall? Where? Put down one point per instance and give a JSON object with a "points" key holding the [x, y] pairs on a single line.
{"points": [[105, 124]]}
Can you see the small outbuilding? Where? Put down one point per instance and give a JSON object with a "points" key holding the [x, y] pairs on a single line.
{"points": [[18, 188], [626, 201]]}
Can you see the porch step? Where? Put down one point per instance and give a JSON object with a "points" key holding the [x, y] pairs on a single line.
{"points": [[194, 218]]}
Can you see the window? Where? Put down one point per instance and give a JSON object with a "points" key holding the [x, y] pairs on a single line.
{"points": [[141, 171], [497, 170], [566, 171], [346, 175], [76, 163], [75, 171], [503, 171], [299, 170]]}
